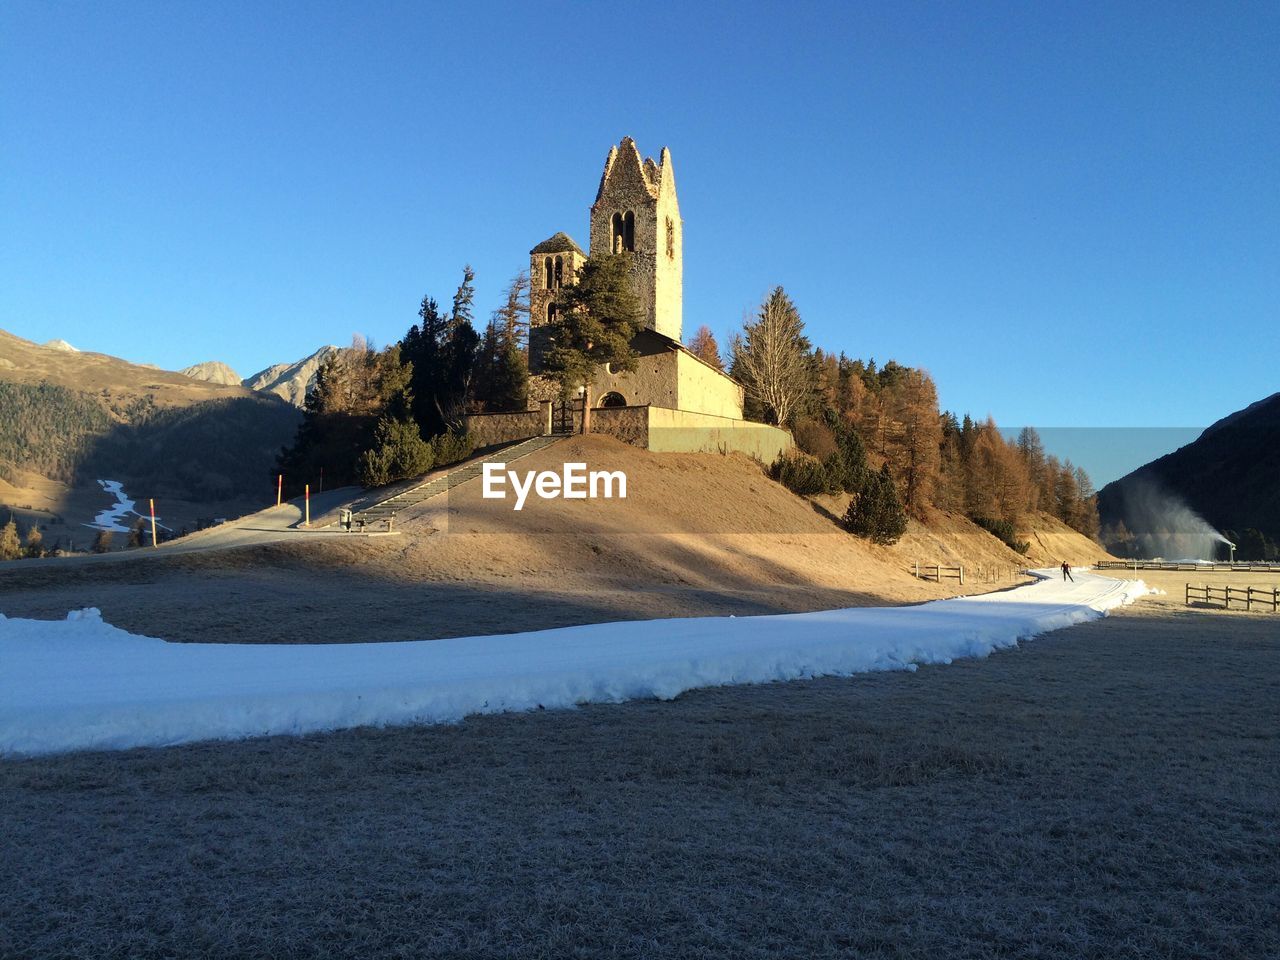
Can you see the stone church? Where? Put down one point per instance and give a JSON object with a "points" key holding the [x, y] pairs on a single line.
{"points": [[672, 400]]}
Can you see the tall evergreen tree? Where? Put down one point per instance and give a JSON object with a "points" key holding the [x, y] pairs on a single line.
{"points": [[458, 351], [421, 348], [513, 316], [502, 370], [10, 545]]}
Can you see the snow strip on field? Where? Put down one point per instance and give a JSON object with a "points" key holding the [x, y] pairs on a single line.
{"points": [[81, 683]]}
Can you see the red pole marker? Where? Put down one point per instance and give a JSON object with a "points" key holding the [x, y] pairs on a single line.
{"points": [[306, 492], [279, 488], [153, 522]]}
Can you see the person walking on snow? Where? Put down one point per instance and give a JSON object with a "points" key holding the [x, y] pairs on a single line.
{"points": [[1066, 572]]}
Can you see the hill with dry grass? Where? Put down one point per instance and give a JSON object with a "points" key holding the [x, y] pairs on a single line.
{"points": [[117, 383], [70, 418], [697, 535], [708, 521]]}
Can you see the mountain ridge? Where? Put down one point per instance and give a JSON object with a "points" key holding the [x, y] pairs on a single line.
{"points": [[1227, 475], [291, 381], [212, 371]]}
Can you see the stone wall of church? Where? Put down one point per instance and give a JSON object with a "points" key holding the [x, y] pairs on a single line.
{"points": [[682, 431], [628, 424], [656, 380], [704, 389], [487, 429]]}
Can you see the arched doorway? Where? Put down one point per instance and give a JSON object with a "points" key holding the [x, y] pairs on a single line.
{"points": [[613, 399]]}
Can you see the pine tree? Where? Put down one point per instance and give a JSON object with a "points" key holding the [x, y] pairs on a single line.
{"points": [[136, 534], [421, 347], [847, 467], [877, 512], [458, 356], [596, 320], [102, 541], [10, 545], [501, 380], [482, 383], [510, 390], [398, 452]]}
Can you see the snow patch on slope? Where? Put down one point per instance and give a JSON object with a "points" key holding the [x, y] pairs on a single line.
{"points": [[82, 684]]}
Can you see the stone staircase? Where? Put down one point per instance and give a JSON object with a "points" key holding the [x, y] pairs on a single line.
{"points": [[384, 511]]}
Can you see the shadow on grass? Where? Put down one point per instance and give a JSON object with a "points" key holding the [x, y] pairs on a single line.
{"points": [[1108, 791]]}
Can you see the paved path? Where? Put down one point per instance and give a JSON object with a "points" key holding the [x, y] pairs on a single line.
{"points": [[387, 508], [266, 526]]}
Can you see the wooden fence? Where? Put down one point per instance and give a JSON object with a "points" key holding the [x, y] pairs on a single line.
{"points": [[1211, 596], [1187, 567], [996, 573], [936, 573]]}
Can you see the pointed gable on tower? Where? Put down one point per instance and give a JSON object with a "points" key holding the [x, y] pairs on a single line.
{"points": [[636, 212]]}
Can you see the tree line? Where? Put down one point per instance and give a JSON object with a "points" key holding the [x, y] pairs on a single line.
{"points": [[917, 456], [874, 432], [212, 450], [377, 416]]}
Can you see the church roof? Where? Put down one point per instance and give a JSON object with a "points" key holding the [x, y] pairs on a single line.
{"points": [[625, 169], [559, 243]]}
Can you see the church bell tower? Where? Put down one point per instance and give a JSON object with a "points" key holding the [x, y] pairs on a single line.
{"points": [[636, 211]]}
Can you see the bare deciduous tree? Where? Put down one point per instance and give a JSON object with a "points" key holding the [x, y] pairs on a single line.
{"points": [[773, 360]]}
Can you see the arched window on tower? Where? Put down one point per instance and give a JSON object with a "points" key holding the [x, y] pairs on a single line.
{"points": [[559, 272], [551, 312], [616, 241], [629, 232], [547, 266]]}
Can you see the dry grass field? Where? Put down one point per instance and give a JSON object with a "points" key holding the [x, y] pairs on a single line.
{"points": [[1109, 791], [698, 535]]}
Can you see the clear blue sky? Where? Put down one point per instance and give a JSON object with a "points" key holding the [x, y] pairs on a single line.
{"points": [[1069, 215]]}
